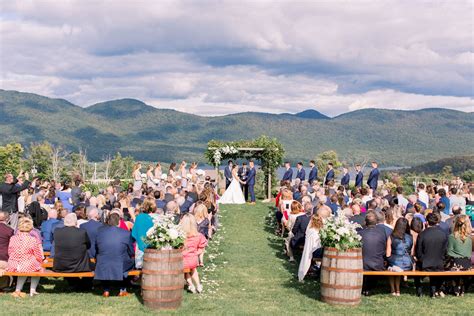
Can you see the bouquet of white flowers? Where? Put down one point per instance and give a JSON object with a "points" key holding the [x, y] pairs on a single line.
{"points": [[165, 234], [339, 233]]}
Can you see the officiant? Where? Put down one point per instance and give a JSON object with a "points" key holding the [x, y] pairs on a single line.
{"points": [[243, 175]]}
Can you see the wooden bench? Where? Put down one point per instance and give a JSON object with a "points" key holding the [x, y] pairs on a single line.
{"points": [[52, 274], [419, 273]]}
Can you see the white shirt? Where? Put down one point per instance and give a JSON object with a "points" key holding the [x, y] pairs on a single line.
{"points": [[423, 197]]}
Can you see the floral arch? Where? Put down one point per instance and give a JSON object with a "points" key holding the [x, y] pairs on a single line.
{"points": [[268, 151]]}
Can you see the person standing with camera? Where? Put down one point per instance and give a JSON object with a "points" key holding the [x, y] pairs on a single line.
{"points": [[10, 190]]}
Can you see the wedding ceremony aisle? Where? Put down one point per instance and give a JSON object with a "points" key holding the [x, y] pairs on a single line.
{"points": [[245, 273]]}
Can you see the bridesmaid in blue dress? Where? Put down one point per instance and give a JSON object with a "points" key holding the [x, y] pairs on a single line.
{"points": [[399, 246]]}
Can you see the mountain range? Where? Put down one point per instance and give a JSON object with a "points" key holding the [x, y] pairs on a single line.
{"points": [[392, 137]]}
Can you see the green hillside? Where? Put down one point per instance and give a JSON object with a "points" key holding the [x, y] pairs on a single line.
{"points": [[403, 138]]}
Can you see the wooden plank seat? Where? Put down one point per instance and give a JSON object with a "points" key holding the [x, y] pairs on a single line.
{"points": [[52, 274], [419, 273]]}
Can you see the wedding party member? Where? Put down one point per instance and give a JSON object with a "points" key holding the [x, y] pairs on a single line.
{"points": [[157, 172], [329, 174], [233, 194], [399, 247], [313, 172], [460, 250], [373, 179], [345, 177], [71, 247], [300, 172], [243, 175], [25, 254], [194, 245], [430, 251], [114, 255], [137, 177], [288, 176], [359, 176], [228, 173], [251, 181]]}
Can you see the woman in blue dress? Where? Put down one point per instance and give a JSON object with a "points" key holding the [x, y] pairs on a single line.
{"points": [[64, 195], [399, 246]]}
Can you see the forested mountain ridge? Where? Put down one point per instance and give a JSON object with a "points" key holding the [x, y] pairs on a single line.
{"points": [[394, 138]]}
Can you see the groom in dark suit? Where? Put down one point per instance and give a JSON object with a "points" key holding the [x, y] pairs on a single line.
{"points": [[251, 181], [242, 173], [228, 173]]}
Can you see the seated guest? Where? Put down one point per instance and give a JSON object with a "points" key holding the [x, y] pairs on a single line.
{"points": [[143, 222], [91, 227], [374, 246], [194, 245], [357, 216], [311, 245], [81, 215], [299, 229], [71, 247], [296, 211], [442, 225], [460, 249], [430, 251], [25, 254], [419, 212], [114, 252], [450, 221], [6, 232], [399, 246], [47, 229]]}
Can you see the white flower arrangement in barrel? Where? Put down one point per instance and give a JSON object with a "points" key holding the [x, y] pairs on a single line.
{"points": [[341, 234], [165, 234]]}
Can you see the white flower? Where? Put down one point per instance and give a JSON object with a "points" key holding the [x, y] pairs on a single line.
{"points": [[150, 232], [174, 234]]}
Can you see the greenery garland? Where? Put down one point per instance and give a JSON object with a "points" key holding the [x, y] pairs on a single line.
{"points": [[270, 158]]}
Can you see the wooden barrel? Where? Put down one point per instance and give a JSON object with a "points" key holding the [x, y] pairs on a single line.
{"points": [[341, 276], [162, 279]]}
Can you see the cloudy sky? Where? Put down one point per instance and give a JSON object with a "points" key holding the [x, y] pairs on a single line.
{"points": [[219, 57]]}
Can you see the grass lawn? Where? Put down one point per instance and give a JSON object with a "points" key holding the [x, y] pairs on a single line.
{"points": [[246, 273]]}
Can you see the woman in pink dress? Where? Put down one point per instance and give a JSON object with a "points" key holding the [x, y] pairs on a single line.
{"points": [[25, 254], [194, 245]]}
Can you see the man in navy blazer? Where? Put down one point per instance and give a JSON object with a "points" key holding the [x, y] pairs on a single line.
{"points": [[345, 177], [373, 179], [359, 176], [288, 173], [251, 181], [114, 252], [329, 174], [228, 173], [91, 227], [301, 173], [313, 173]]}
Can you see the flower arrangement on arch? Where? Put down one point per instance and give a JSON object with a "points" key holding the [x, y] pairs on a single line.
{"points": [[165, 234], [226, 150], [341, 234]]}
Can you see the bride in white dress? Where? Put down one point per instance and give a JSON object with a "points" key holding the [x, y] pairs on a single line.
{"points": [[233, 194]]}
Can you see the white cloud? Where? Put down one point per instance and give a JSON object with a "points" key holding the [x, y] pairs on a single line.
{"points": [[214, 57]]}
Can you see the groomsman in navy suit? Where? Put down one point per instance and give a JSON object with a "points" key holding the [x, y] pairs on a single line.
{"points": [[251, 181], [313, 173], [330, 174], [300, 174], [359, 176], [228, 173], [373, 179], [288, 173], [345, 177]]}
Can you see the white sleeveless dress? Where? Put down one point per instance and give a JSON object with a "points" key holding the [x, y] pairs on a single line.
{"points": [[233, 194]]}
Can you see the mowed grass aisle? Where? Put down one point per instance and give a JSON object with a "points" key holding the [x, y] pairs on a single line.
{"points": [[246, 273]]}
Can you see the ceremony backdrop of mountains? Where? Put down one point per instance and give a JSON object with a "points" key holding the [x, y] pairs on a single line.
{"points": [[394, 138]]}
